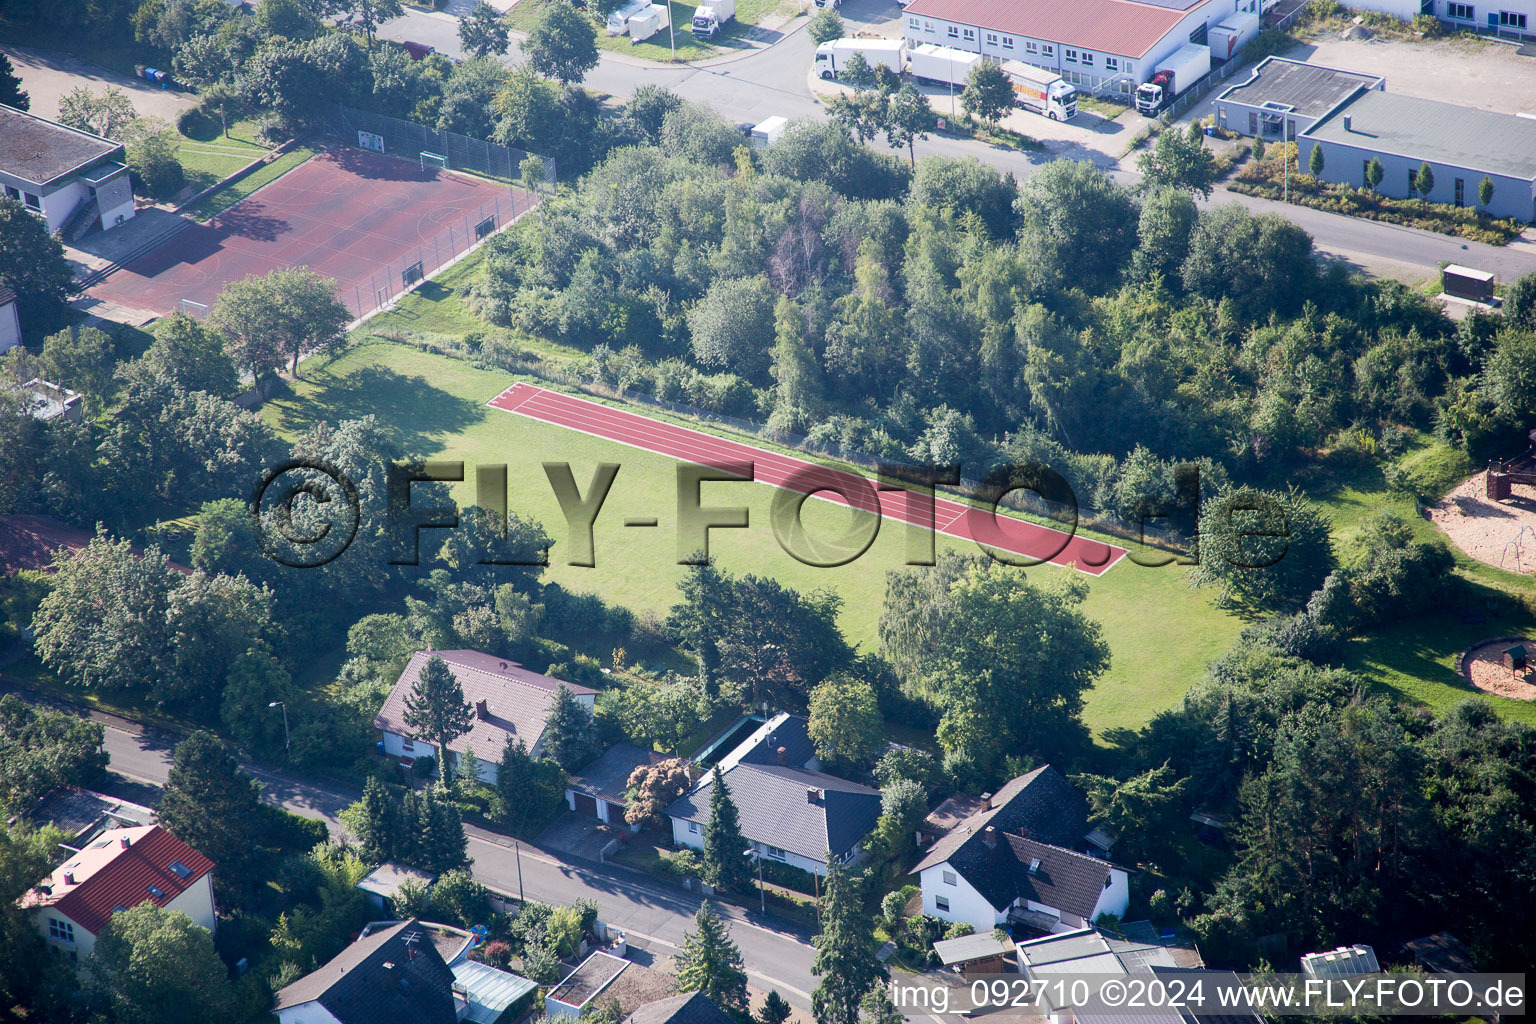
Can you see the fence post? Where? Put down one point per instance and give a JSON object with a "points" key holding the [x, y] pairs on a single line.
{"points": [[437, 254], [357, 293]]}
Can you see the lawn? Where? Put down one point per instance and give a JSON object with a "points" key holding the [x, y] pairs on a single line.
{"points": [[1161, 631], [749, 13], [208, 157], [229, 195]]}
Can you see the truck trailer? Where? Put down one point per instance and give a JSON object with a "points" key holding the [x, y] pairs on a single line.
{"points": [[1174, 75], [941, 65], [1044, 92], [647, 23], [767, 131], [711, 16], [1235, 32], [887, 53], [618, 21]]}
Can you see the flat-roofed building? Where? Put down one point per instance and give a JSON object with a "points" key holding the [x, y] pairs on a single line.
{"points": [[1101, 45], [71, 179], [1287, 96], [1461, 145]]}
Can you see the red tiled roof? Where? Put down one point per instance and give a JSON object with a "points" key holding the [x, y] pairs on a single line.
{"points": [[1105, 26], [517, 700], [108, 876]]}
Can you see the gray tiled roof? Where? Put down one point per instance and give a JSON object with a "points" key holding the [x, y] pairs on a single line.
{"points": [[772, 803], [1042, 803], [792, 732], [1443, 133], [1309, 89], [518, 701], [689, 1008], [393, 976], [38, 150], [608, 776]]}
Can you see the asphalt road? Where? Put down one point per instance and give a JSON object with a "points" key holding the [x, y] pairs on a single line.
{"points": [[653, 915], [772, 80]]}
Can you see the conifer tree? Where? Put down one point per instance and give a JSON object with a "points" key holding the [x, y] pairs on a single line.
{"points": [[570, 735], [711, 963], [725, 860], [845, 950], [436, 709]]}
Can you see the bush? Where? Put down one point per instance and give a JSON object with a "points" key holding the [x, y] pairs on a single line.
{"points": [[197, 123], [155, 169]]}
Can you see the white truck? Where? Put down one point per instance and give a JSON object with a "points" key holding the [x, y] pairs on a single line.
{"points": [[767, 131], [618, 21], [941, 65], [888, 53], [1044, 92], [647, 23], [1236, 31], [1175, 74], [711, 16]]}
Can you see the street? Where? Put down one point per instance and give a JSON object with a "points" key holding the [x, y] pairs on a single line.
{"points": [[651, 913], [758, 83]]}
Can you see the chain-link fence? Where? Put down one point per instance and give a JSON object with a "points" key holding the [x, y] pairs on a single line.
{"points": [[396, 137]]}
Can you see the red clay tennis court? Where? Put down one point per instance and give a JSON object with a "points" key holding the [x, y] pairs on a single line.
{"points": [[359, 217], [952, 518]]}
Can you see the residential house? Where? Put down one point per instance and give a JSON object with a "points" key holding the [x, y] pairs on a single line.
{"points": [[791, 812], [394, 975], [1017, 859], [383, 884], [509, 701], [598, 789], [605, 981], [688, 1008], [72, 180], [121, 868]]}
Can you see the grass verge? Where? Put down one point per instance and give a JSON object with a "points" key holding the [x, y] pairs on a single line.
{"points": [[229, 195], [749, 14]]}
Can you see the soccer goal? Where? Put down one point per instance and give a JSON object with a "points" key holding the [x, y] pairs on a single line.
{"points": [[195, 310], [436, 161]]}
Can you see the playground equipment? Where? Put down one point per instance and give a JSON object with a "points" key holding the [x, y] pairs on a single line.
{"points": [[1503, 473], [1516, 546]]}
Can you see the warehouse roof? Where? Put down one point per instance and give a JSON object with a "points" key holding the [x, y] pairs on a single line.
{"points": [[1309, 89], [1442, 133], [39, 150], [1120, 27]]}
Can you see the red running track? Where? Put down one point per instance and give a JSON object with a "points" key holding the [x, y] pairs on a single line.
{"points": [[952, 518]]}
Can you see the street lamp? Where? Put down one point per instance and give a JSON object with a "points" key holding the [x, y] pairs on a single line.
{"points": [[287, 741], [670, 37], [762, 891]]}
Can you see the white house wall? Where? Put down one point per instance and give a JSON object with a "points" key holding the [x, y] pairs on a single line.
{"points": [[197, 903], [307, 1013], [10, 326], [1502, 17], [965, 903], [683, 835], [1116, 897]]}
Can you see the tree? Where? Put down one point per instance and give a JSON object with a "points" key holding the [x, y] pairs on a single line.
{"points": [[1315, 161], [151, 963], [652, 788], [41, 749], [1373, 173], [1079, 224], [255, 680], [1178, 161], [1485, 192], [441, 841], [11, 92], [483, 31], [863, 113], [858, 73], [213, 806], [1168, 215], [192, 356], [876, 1008], [907, 119], [1261, 263], [286, 312], [845, 948], [1511, 372], [1263, 548], [369, 14], [845, 722], [32, 263], [775, 1009], [1144, 814], [106, 114], [437, 710], [570, 733], [797, 399], [733, 325], [291, 19], [725, 858], [562, 44], [1424, 180], [375, 822], [906, 801], [988, 93], [826, 25], [81, 358], [152, 159], [710, 963]]}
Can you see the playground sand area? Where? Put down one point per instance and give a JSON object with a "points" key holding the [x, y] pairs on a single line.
{"points": [[1501, 533], [1483, 666]]}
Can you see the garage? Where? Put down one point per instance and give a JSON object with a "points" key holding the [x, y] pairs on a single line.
{"points": [[586, 805]]}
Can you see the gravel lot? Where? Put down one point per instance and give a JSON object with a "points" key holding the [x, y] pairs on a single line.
{"points": [[1470, 73], [47, 75]]}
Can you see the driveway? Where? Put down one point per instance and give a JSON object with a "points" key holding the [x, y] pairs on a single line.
{"points": [[47, 75], [577, 835]]}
